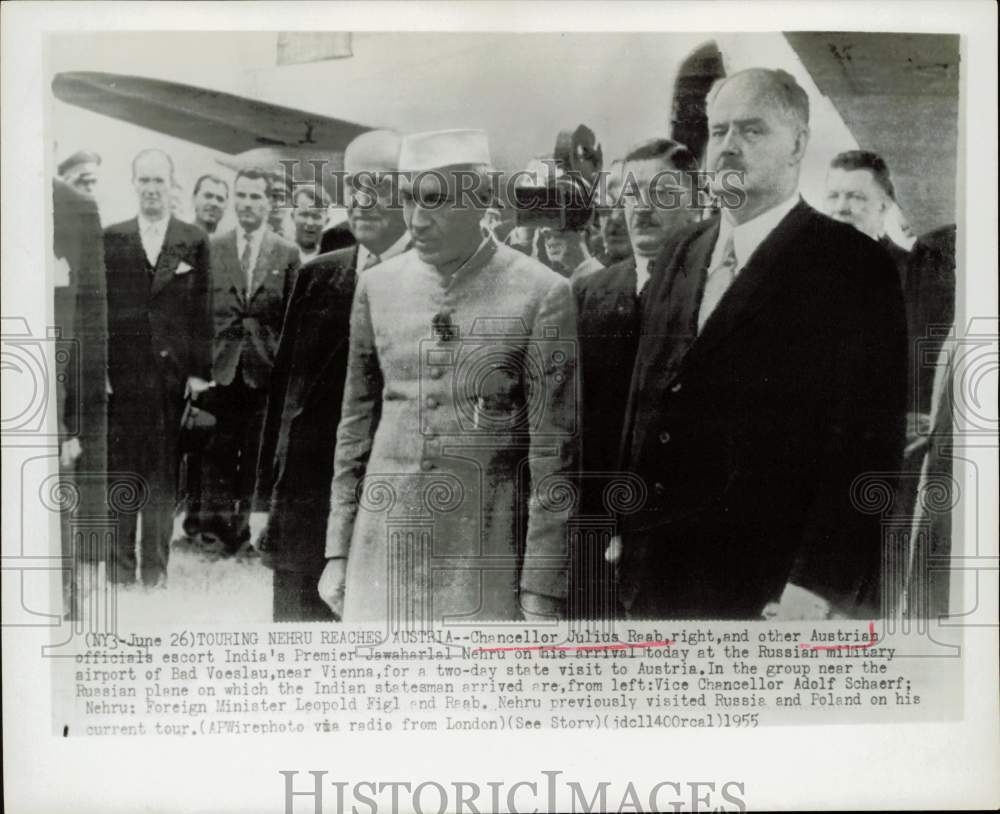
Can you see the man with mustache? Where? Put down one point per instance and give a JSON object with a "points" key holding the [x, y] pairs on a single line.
{"points": [[768, 392], [253, 271], [608, 305], [159, 349], [611, 220], [211, 194], [456, 447], [295, 466]]}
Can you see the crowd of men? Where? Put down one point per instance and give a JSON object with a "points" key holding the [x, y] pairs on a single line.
{"points": [[435, 412]]}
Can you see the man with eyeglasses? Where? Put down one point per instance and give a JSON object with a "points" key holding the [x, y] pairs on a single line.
{"points": [[457, 445], [295, 466]]}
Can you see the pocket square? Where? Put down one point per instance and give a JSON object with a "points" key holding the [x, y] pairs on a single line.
{"points": [[183, 268]]}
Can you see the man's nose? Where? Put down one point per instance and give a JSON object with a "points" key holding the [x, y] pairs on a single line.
{"points": [[730, 143]]}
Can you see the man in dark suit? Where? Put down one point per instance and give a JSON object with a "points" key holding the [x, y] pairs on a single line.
{"points": [[767, 396], [253, 271], [81, 316], [930, 308], [292, 495], [859, 191], [608, 307], [159, 348]]}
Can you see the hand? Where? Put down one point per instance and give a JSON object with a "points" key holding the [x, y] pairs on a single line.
{"points": [[196, 386], [258, 524], [331, 585], [540, 608], [69, 451], [613, 552], [797, 604]]}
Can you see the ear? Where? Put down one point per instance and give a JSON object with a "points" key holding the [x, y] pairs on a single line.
{"points": [[800, 144]]}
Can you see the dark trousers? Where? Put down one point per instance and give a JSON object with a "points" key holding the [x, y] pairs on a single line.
{"points": [[230, 461], [296, 598], [144, 427]]}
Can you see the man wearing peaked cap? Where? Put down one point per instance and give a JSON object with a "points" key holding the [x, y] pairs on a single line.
{"points": [[80, 171], [456, 445]]}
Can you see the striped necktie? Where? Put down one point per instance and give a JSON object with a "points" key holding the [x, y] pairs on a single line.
{"points": [[245, 261], [720, 277]]}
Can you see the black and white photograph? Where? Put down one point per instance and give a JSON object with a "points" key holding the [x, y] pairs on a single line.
{"points": [[427, 372]]}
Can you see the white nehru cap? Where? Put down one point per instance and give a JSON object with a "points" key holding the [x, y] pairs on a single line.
{"points": [[443, 148]]}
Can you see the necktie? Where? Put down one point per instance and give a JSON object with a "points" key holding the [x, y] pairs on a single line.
{"points": [[371, 260], [645, 283], [720, 277], [245, 260]]}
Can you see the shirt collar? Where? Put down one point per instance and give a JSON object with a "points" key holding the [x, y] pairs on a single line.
{"points": [[256, 236], [396, 248], [748, 236], [145, 224]]}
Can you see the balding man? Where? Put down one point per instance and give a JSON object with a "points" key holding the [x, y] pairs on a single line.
{"points": [[159, 349], [456, 445], [292, 495], [768, 385]]}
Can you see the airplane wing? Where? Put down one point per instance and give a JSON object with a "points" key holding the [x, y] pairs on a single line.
{"points": [[220, 121]]}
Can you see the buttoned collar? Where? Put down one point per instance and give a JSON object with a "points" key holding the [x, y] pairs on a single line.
{"points": [[748, 236]]}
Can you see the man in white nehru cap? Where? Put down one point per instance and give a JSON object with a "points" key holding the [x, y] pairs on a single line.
{"points": [[292, 495], [457, 439]]}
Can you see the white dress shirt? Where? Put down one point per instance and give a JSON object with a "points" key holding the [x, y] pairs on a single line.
{"points": [[256, 238], [396, 248], [152, 234], [643, 265], [305, 257], [748, 236]]}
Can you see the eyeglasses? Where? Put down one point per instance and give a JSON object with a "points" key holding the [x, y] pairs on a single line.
{"points": [[443, 328]]}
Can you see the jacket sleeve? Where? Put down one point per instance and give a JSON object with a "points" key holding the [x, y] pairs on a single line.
{"points": [[359, 417], [840, 556], [554, 444], [277, 392], [291, 274], [89, 352], [201, 328]]}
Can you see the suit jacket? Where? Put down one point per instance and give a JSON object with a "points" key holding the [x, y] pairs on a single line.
{"points": [[764, 441], [78, 238], [930, 308], [295, 466], [159, 320], [900, 257], [338, 236], [81, 315], [248, 324], [608, 335]]}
